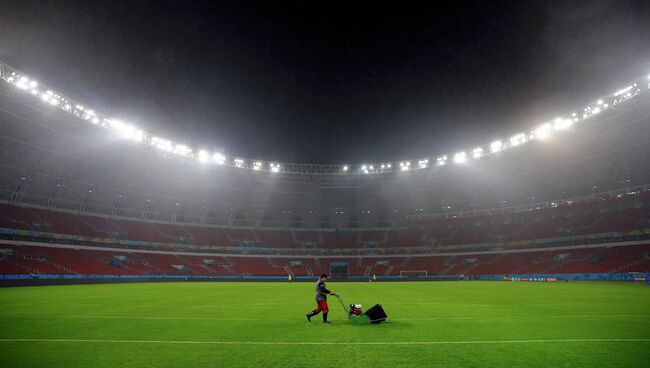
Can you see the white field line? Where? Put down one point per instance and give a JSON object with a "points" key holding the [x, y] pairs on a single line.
{"points": [[391, 319], [279, 305], [442, 318], [173, 318], [252, 305], [406, 305], [186, 342], [500, 318], [528, 317]]}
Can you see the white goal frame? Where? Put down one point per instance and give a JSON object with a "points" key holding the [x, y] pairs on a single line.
{"points": [[414, 273]]}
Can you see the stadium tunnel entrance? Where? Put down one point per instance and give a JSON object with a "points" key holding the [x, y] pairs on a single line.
{"points": [[339, 270]]}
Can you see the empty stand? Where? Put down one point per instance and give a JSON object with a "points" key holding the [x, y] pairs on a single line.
{"points": [[595, 217], [57, 260]]}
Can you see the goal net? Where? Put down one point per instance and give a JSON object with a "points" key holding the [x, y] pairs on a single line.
{"points": [[413, 273]]}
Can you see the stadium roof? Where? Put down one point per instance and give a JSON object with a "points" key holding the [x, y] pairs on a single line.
{"points": [[56, 99]]}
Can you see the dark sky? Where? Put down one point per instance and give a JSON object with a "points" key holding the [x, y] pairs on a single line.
{"points": [[330, 82]]}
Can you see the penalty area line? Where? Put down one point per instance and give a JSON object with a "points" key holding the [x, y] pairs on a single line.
{"points": [[186, 342]]}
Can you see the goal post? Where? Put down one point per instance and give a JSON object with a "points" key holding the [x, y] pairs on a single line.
{"points": [[413, 274]]}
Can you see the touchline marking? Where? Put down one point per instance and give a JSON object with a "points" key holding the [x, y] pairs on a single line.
{"points": [[180, 342], [526, 317], [392, 319], [180, 318], [251, 305]]}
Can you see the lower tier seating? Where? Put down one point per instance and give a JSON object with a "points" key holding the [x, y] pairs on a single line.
{"points": [[38, 259]]}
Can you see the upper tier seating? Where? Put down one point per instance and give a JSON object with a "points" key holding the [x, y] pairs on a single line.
{"points": [[625, 215]]}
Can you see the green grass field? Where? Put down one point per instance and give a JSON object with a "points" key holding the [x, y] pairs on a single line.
{"points": [[441, 324]]}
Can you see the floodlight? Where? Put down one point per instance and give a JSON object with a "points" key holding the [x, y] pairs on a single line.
{"points": [[345, 168], [622, 91], [477, 152], [219, 158], [600, 102], [517, 139], [543, 131], [23, 83], [116, 124], [561, 124], [182, 150], [203, 156], [496, 146], [136, 135], [125, 130], [460, 157], [162, 144]]}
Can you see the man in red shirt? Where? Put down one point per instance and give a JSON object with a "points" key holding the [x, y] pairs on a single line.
{"points": [[321, 299]]}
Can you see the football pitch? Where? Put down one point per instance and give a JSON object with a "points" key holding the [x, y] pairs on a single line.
{"points": [[246, 324]]}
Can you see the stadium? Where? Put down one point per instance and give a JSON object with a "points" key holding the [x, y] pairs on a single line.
{"points": [[122, 246]]}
